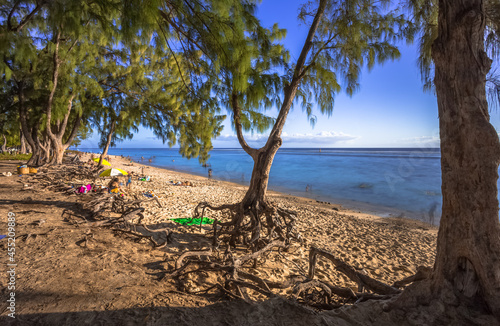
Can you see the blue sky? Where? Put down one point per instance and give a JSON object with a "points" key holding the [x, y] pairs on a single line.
{"points": [[389, 110]]}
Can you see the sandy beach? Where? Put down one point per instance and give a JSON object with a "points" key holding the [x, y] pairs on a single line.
{"points": [[389, 249], [108, 272]]}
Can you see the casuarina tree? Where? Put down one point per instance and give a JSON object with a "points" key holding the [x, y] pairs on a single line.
{"points": [[466, 271], [343, 37]]}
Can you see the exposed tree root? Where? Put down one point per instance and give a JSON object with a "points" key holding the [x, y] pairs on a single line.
{"points": [[312, 292], [237, 281], [33, 236], [253, 225], [378, 290], [422, 273], [363, 280], [261, 227]]}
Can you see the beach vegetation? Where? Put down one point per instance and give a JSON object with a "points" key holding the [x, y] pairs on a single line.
{"points": [[73, 65]]}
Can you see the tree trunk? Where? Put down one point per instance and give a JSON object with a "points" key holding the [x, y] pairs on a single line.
{"points": [[56, 138], [256, 193], [35, 157], [39, 156], [58, 147], [28, 131], [23, 142], [108, 142], [4, 145], [468, 245]]}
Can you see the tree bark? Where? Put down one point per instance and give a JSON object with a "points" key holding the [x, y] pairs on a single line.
{"points": [[23, 142], [26, 130], [58, 145], [56, 138], [468, 245], [37, 158], [44, 146], [256, 193], [4, 145], [108, 142]]}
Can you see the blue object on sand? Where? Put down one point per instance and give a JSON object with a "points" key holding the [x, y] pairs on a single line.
{"points": [[2, 236]]}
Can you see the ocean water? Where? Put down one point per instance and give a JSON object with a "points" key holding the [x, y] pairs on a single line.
{"points": [[389, 182]]}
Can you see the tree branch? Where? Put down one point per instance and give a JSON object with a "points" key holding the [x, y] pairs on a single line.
{"points": [[74, 131], [26, 19], [9, 25], [55, 76], [315, 56], [62, 129], [291, 89], [237, 124]]}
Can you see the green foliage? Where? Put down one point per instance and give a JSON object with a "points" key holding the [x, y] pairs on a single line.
{"points": [[352, 34], [9, 125], [114, 64], [425, 15], [222, 50]]}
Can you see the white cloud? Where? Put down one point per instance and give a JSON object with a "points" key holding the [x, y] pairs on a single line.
{"points": [[323, 138], [248, 138]]}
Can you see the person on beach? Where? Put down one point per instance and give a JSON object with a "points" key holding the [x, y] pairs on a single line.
{"points": [[129, 181], [114, 186], [210, 173]]}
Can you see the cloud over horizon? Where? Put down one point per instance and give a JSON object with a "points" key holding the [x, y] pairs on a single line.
{"points": [[323, 138]]}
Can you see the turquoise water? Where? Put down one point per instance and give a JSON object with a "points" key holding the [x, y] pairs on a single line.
{"points": [[384, 181]]}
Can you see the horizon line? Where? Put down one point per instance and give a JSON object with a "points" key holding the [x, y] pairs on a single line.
{"points": [[415, 147]]}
